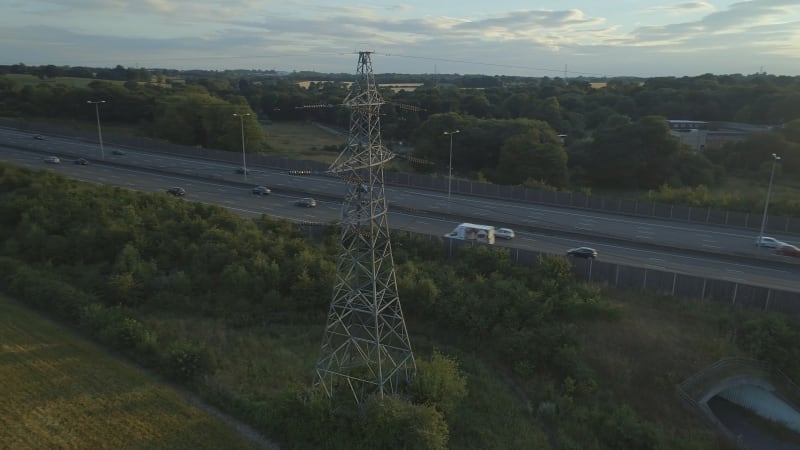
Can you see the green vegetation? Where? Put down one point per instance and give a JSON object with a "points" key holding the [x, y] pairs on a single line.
{"points": [[509, 357], [60, 391], [551, 133], [301, 140]]}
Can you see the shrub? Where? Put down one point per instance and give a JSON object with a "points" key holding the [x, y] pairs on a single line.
{"points": [[392, 422], [439, 383], [185, 361]]}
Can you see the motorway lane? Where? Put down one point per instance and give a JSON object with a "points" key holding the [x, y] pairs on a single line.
{"points": [[678, 235], [238, 198]]}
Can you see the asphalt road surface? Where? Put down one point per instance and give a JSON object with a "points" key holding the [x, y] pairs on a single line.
{"points": [[218, 183]]}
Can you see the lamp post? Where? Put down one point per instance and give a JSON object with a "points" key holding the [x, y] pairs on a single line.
{"points": [[241, 123], [99, 131], [450, 165], [775, 159]]}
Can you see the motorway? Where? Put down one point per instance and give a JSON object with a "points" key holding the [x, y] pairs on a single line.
{"points": [[694, 249]]}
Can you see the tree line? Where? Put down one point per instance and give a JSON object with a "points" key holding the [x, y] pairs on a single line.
{"points": [[550, 132]]}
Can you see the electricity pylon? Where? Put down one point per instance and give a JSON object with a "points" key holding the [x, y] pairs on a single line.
{"points": [[365, 346]]}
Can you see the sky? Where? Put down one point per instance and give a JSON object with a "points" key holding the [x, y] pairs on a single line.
{"points": [[554, 38]]}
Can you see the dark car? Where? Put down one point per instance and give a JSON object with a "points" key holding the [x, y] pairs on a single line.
{"points": [[261, 190], [118, 152], [788, 250], [82, 162], [176, 191], [582, 252], [242, 170], [306, 202]]}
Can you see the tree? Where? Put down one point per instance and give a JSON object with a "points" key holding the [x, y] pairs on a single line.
{"points": [[638, 155], [524, 157]]}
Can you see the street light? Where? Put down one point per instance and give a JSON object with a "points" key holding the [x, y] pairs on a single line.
{"points": [[775, 159], [99, 132], [450, 166], [241, 123]]}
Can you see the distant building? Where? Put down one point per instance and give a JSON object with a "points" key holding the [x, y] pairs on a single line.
{"points": [[693, 133], [699, 135]]}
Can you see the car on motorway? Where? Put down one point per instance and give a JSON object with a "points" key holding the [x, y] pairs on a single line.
{"points": [[39, 137], [53, 160], [504, 233], [176, 191], [117, 152], [769, 242], [242, 170], [307, 202], [788, 250], [82, 162], [261, 190], [582, 252]]}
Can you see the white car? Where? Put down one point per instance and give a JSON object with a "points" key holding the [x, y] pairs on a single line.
{"points": [[765, 241], [504, 233], [52, 160]]}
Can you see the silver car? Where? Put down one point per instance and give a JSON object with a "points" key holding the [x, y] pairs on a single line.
{"points": [[504, 233], [769, 242]]}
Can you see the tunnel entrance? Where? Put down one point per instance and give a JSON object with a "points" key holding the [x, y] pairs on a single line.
{"points": [[752, 404]]}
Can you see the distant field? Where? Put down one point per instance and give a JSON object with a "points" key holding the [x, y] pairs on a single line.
{"points": [[57, 390], [301, 140], [25, 80]]}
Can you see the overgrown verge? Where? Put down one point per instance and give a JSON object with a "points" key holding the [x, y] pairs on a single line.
{"points": [[225, 305]]}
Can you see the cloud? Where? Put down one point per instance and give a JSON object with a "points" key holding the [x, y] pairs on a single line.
{"points": [[741, 26], [252, 33], [681, 8]]}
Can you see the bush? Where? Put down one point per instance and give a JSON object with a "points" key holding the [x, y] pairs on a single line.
{"points": [[185, 361], [439, 383], [392, 422], [40, 290]]}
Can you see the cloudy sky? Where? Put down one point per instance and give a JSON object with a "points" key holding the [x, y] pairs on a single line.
{"points": [[511, 37]]}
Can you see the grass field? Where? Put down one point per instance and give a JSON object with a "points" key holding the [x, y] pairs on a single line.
{"points": [[23, 80], [301, 140], [57, 390]]}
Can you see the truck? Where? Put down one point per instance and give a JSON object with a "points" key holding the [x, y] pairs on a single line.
{"points": [[473, 232]]}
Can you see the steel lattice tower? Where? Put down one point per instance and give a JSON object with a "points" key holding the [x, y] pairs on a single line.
{"points": [[365, 345]]}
